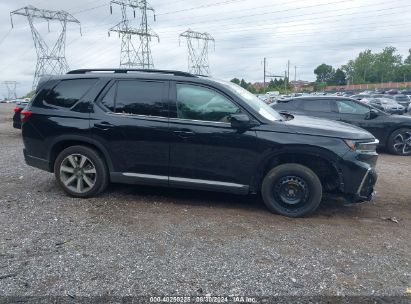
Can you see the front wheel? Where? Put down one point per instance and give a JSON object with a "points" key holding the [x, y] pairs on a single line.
{"points": [[81, 171], [399, 142], [292, 190]]}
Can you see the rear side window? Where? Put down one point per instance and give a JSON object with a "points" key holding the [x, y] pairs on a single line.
{"points": [[67, 92], [317, 105], [140, 98]]}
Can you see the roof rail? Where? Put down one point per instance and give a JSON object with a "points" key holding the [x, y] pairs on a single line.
{"points": [[125, 71]]}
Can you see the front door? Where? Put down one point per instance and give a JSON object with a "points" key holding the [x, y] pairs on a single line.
{"points": [[131, 120], [206, 152], [355, 113]]}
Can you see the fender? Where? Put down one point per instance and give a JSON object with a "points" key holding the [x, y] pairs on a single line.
{"points": [[83, 139], [271, 154]]}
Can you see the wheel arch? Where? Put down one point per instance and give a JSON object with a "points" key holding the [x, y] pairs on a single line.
{"points": [[63, 142], [322, 162]]}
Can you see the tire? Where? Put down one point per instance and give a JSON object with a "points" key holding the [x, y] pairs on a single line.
{"points": [[81, 171], [292, 190], [399, 142]]}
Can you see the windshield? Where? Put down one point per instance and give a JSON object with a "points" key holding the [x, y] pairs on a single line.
{"points": [[253, 101]]}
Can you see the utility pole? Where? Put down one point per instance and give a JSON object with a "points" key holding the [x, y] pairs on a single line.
{"points": [[130, 55], [285, 81], [288, 69], [50, 61], [268, 75], [295, 73], [264, 73], [11, 89], [197, 45]]}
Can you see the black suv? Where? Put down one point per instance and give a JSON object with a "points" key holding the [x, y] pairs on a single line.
{"points": [[392, 131], [169, 128]]}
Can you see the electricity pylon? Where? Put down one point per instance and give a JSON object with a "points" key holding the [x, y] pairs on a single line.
{"points": [[132, 56], [50, 61], [11, 89], [198, 54]]}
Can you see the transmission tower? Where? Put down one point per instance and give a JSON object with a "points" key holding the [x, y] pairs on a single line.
{"points": [[11, 89], [50, 61], [197, 44], [130, 55]]}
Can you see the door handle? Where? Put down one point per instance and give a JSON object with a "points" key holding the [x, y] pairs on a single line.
{"points": [[184, 134], [104, 125]]}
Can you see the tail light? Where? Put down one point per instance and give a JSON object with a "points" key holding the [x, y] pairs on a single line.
{"points": [[24, 115], [17, 109]]}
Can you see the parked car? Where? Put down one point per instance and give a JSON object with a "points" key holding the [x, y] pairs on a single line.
{"points": [[393, 92], [401, 99], [361, 96], [393, 131], [406, 92], [387, 105], [20, 105], [171, 128]]}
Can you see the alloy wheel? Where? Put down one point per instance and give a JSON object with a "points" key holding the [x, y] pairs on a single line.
{"points": [[402, 143], [78, 173]]}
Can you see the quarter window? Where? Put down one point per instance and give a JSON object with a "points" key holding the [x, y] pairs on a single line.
{"points": [[68, 92], [199, 103], [108, 99], [140, 98], [351, 107]]}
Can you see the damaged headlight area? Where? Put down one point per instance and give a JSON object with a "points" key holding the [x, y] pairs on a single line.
{"points": [[361, 145]]}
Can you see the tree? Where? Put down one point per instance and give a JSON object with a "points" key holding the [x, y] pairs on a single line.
{"points": [[235, 80], [408, 59], [339, 78], [386, 63], [324, 73]]}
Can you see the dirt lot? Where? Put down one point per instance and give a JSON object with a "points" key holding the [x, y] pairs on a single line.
{"points": [[142, 240]]}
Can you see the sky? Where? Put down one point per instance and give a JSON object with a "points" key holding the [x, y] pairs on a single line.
{"points": [[304, 32]]}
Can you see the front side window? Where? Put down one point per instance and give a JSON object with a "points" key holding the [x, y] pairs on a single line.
{"points": [[351, 107], [67, 92], [200, 103]]}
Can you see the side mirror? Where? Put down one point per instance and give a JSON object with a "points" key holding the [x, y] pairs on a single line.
{"points": [[372, 114], [241, 121]]}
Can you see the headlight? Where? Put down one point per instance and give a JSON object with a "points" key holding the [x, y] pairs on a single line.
{"points": [[362, 146]]}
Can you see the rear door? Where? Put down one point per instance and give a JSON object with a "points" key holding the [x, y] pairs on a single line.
{"points": [[131, 120]]}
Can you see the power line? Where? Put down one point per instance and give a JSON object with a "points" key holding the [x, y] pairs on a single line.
{"points": [[200, 7], [130, 55], [11, 89], [225, 28], [198, 54], [50, 61]]}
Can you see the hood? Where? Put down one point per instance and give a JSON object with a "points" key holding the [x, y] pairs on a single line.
{"points": [[324, 127]]}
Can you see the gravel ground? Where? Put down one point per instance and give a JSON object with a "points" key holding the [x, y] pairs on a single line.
{"points": [[135, 240]]}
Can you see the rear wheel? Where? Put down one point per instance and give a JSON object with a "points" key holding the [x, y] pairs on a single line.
{"points": [[292, 190], [399, 142], [81, 171]]}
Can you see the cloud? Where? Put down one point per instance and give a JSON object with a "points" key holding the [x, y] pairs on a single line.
{"points": [[307, 33]]}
